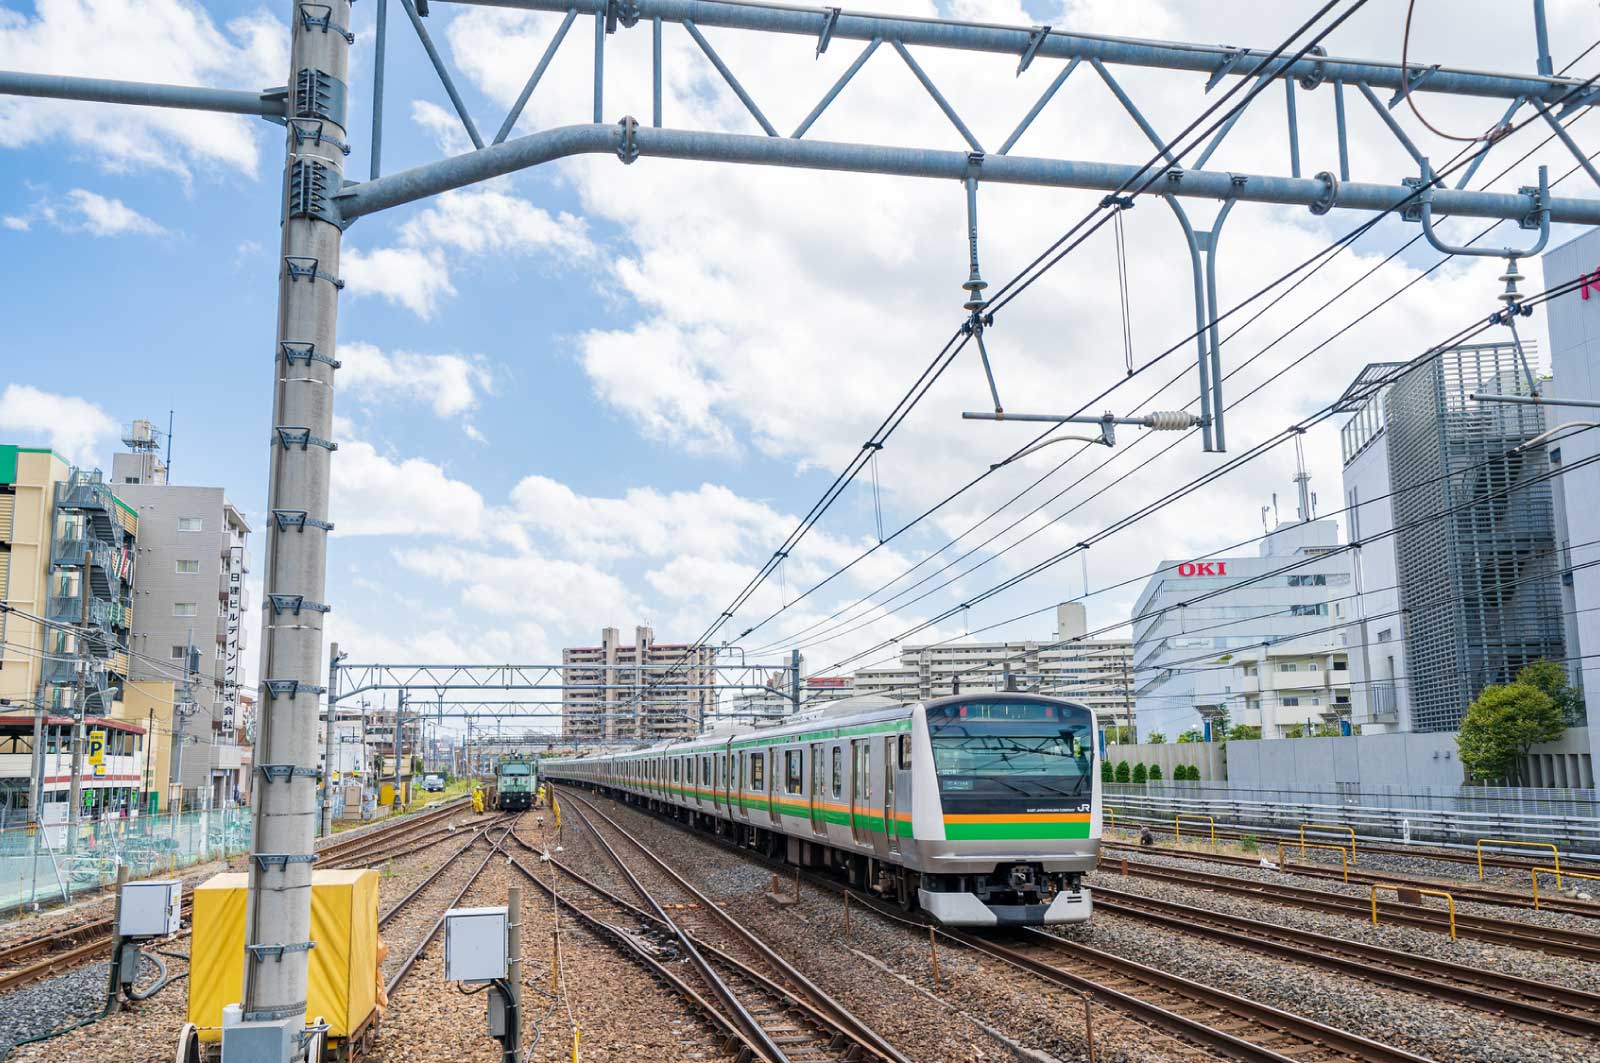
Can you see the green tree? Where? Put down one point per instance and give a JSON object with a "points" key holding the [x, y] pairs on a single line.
{"points": [[1241, 732], [1191, 735], [1105, 771], [1120, 735], [1502, 725], [1294, 730], [1194, 773], [1156, 738], [1551, 678], [1124, 772], [1141, 774], [1155, 773], [1179, 773]]}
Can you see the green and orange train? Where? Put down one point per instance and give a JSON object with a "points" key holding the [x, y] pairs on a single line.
{"points": [[982, 809]]}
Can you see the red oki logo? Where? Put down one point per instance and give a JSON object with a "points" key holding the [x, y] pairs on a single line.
{"points": [[1591, 281], [1219, 568]]}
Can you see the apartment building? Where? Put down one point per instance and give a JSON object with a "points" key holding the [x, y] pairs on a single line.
{"points": [[67, 564], [641, 690], [193, 558], [1096, 672]]}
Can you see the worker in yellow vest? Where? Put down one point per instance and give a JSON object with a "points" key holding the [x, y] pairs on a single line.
{"points": [[477, 798], [538, 797]]}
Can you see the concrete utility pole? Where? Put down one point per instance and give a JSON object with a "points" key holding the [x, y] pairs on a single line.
{"points": [[327, 741], [278, 913], [399, 746], [36, 784]]}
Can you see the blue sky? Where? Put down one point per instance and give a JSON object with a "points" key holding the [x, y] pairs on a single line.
{"points": [[595, 394]]}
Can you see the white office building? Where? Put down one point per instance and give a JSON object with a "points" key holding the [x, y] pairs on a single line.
{"points": [[1218, 637]]}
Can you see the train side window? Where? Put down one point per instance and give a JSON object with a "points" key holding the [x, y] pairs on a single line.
{"points": [[905, 752], [758, 772], [793, 767], [863, 770], [838, 772], [675, 770]]}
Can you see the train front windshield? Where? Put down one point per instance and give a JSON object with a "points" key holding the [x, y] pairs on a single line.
{"points": [[1012, 753], [515, 769]]}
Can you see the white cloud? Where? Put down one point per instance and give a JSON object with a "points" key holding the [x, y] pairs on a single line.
{"points": [[405, 276], [445, 128], [172, 41], [450, 383], [15, 223], [110, 217], [376, 495], [75, 427], [416, 273]]}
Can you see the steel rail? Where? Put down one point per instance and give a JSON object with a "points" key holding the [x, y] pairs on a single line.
{"points": [[1219, 60], [334, 844], [416, 953], [755, 1036], [1462, 891], [1316, 1036], [1511, 933], [835, 1011], [1191, 1030], [624, 942], [1500, 994], [358, 199]]}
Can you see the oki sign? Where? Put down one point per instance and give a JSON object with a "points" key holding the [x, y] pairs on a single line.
{"points": [[1203, 568], [1590, 282]]}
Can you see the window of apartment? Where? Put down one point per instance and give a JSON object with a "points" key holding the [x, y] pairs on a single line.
{"points": [[793, 767], [1385, 635], [1291, 703], [177, 653], [190, 524], [1340, 665], [1308, 581], [183, 608], [1288, 666], [1312, 667], [1319, 609], [188, 568]]}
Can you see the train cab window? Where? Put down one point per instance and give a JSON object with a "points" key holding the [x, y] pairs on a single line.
{"points": [[838, 772], [905, 752], [758, 773], [793, 768]]}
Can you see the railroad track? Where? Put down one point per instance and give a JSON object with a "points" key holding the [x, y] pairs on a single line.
{"points": [[1550, 901], [1509, 932], [780, 1014], [34, 959], [1491, 858], [496, 846], [1219, 1024], [1541, 1004]]}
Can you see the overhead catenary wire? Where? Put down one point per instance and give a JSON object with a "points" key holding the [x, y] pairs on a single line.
{"points": [[1211, 475], [796, 638]]}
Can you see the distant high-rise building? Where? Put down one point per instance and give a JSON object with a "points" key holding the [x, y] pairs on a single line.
{"points": [[1475, 546], [642, 690], [193, 558]]}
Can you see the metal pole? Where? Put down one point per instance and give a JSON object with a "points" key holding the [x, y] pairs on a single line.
{"points": [[114, 988], [75, 787], [278, 912], [326, 827], [514, 961], [36, 786], [399, 728]]}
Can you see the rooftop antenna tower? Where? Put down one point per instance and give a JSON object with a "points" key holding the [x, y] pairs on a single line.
{"points": [[144, 439], [1302, 480]]}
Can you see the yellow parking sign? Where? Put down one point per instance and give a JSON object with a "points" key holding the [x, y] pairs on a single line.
{"points": [[97, 747]]}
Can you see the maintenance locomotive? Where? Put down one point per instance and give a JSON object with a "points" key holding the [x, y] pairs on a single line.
{"points": [[982, 809], [515, 781]]}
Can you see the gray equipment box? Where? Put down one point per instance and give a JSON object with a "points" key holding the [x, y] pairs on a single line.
{"points": [[474, 944], [151, 909]]}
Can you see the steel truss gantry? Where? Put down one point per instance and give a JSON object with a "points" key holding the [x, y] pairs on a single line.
{"points": [[350, 680], [318, 203]]}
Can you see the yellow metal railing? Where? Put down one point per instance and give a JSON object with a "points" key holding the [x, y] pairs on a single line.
{"points": [[1328, 826], [1553, 871], [1554, 852], [1449, 900], [1177, 825], [1344, 862]]}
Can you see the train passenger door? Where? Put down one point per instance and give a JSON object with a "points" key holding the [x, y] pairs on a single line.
{"points": [[860, 786], [818, 770], [891, 762]]}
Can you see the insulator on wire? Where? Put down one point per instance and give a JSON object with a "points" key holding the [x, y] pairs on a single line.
{"points": [[1170, 420]]}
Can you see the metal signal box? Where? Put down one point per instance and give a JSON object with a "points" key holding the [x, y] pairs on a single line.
{"points": [[474, 944], [151, 909]]}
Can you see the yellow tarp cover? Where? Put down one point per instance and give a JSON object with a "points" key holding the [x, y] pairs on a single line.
{"points": [[341, 971]]}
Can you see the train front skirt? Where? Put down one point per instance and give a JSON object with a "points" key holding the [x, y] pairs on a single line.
{"points": [[965, 909]]}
